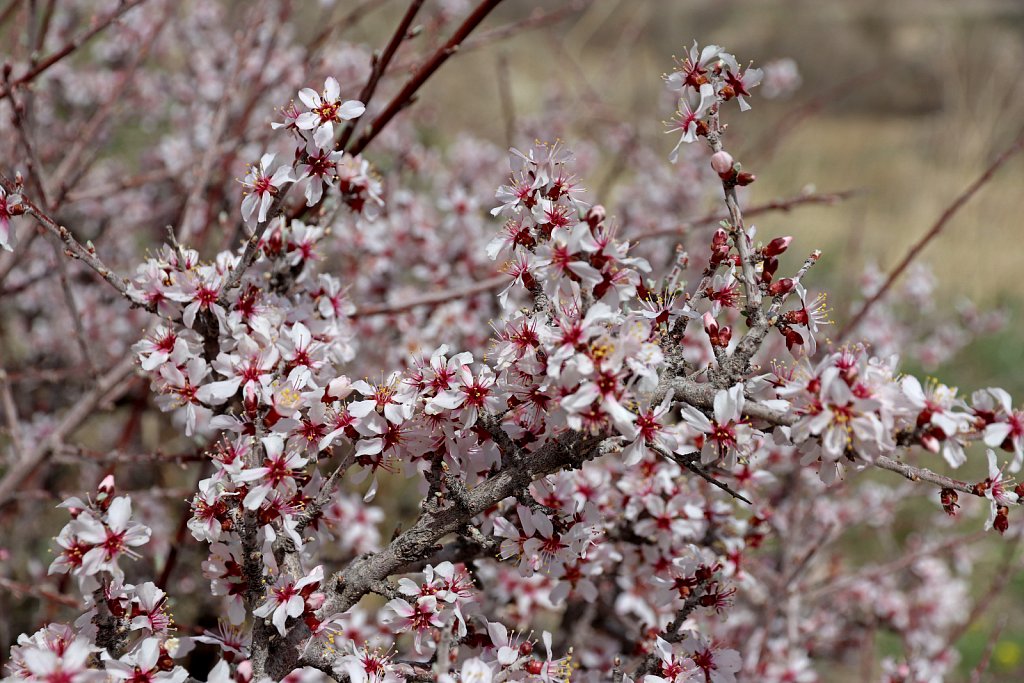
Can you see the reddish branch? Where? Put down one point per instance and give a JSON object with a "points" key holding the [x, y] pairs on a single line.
{"points": [[380, 65], [406, 95], [937, 228]]}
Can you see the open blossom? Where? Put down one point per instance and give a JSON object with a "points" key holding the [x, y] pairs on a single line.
{"points": [[54, 655], [143, 665], [94, 544], [326, 109], [291, 598], [725, 435], [997, 488], [693, 106], [719, 665], [279, 470], [262, 186], [421, 616]]}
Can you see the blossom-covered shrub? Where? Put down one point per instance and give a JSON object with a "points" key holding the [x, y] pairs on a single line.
{"points": [[611, 465]]}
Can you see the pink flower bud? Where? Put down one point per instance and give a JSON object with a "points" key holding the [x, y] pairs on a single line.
{"points": [[722, 163]]}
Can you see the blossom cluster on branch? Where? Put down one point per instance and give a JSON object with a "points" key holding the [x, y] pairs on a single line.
{"points": [[601, 455]]}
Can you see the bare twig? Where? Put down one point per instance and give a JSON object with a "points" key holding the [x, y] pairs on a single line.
{"points": [[67, 49], [74, 248], [434, 299], [405, 96], [932, 233], [784, 205], [380, 66], [109, 386]]}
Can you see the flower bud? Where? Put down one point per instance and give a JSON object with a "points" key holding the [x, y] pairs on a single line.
{"points": [[783, 286], [596, 215], [949, 497], [743, 178], [777, 246], [722, 163], [1002, 521]]}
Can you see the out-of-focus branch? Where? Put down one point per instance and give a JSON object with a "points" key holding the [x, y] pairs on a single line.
{"points": [[109, 386], [434, 299], [40, 592], [406, 95], [785, 205], [932, 233], [68, 48]]}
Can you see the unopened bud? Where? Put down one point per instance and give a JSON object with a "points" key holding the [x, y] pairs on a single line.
{"points": [[948, 498], [1002, 521], [596, 215], [743, 178], [722, 163], [783, 286], [106, 487], [777, 246]]}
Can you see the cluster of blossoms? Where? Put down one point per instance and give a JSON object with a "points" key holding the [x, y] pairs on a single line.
{"points": [[127, 632], [588, 460]]}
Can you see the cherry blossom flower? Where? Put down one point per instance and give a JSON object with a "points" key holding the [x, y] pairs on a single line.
{"points": [[263, 185], [291, 598], [326, 109], [143, 665], [725, 435]]}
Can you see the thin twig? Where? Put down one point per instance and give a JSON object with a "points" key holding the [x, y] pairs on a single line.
{"points": [[75, 249], [70, 47], [932, 233], [433, 299], [785, 205], [406, 95], [380, 66]]}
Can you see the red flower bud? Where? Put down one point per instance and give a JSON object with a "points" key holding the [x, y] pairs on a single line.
{"points": [[948, 498], [1002, 521], [777, 246], [783, 286], [743, 178], [793, 338]]}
